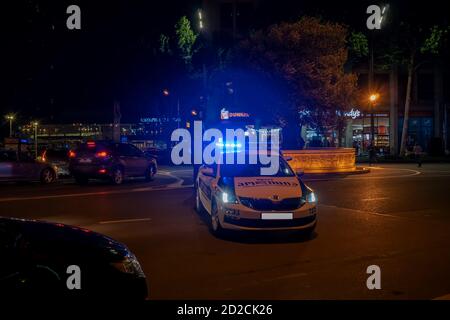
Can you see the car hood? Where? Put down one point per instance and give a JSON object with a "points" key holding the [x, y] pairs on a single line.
{"points": [[267, 187], [64, 240]]}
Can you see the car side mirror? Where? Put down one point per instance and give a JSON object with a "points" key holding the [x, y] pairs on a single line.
{"points": [[209, 172]]}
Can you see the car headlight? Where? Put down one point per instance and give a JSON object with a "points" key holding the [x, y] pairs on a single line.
{"points": [[129, 265], [311, 197], [228, 197], [227, 193]]}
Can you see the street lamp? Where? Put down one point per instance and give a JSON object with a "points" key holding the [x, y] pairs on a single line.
{"points": [[35, 125], [10, 118], [166, 93], [373, 98]]}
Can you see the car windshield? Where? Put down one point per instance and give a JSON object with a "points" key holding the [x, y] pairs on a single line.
{"points": [[254, 170]]}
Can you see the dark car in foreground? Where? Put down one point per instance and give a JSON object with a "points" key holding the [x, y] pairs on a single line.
{"points": [[38, 258], [19, 166], [110, 160]]}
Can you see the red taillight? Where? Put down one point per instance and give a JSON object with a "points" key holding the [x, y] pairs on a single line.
{"points": [[72, 154], [102, 171], [91, 144], [101, 154]]}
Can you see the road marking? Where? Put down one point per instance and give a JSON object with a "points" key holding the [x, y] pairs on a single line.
{"points": [[368, 176], [445, 297], [375, 199], [124, 221], [362, 211], [178, 184], [413, 173], [141, 189], [99, 193]]}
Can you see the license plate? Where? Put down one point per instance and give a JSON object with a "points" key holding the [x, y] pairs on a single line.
{"points": [[85, 160], [277, 216]]}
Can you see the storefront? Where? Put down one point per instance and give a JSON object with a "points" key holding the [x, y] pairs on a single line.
{"points": [[359, 132], [420, 131]]}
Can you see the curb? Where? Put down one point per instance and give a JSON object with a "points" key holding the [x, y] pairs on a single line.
{"points": [[359, 170]]}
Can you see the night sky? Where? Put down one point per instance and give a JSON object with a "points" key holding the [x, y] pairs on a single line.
{"points": [[61, 75]]}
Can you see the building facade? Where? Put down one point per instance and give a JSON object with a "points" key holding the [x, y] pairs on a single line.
{"points": [[427, 125]]}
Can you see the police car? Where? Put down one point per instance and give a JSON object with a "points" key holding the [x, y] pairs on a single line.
{"points": [[238, 197]]}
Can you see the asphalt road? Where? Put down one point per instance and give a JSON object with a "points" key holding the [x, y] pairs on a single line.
{"points": [[396, 217]]}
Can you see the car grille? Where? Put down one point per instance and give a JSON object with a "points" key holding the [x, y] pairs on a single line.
{"points": [[269, 205]]}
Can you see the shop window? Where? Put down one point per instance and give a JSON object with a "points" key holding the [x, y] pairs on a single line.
{"points": [[420, 130]]}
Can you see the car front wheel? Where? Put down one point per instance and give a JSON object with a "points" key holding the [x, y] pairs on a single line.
{"points": [[48, 176], [117, 176], [150, 173]]}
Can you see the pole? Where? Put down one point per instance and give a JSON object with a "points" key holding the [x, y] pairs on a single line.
{"points": [[372, 128], [10, 127], [444, 129], [372, 124], [35, 140]]}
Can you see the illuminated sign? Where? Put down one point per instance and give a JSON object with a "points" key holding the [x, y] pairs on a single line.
{"points": [[153, 120], [225, 114], [354, 113], [149, 120]]}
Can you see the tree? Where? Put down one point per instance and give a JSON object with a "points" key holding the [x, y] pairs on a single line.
{"points": [[195, 63], [411, 47], [358, 45], [309, 55], [186, 42], [186, 38]]}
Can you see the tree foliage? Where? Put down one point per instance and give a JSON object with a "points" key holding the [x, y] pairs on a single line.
{"points": [[435, 41], [186, 39], [309, 55], [359, 45]]}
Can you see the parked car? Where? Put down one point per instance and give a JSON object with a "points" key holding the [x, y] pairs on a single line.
{"points": [[110, 160], [19, 166], [161, 155], [38, 258], [59, 158]]}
